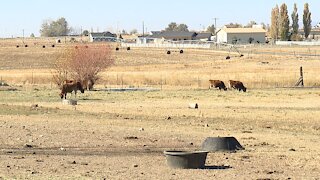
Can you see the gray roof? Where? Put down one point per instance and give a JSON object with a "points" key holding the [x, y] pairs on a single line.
{"points": [[103, 34], [203, 35], [174, 34]]}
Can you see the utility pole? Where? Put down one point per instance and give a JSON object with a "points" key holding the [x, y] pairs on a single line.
{"points": [[81, 33], [23, 36], [142, 28], [215, 28]]}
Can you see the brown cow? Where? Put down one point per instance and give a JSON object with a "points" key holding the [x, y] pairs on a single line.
{"points": [[237, 85], [69, 86], [68, 81], [88, 84], [217, 84]]}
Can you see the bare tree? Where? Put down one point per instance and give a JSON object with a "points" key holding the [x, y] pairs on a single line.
{"points": [[234, 25], [274, 30], [133, 31], [211, 29], [250, 24], [82, 63]]}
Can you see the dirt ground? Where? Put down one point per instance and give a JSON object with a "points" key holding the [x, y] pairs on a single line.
{"points": [[122, 135]]}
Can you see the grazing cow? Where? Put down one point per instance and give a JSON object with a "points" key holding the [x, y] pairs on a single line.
{"points": [[69, 86], [68, 81], [237, 85], [88, 84], [217, 84]]}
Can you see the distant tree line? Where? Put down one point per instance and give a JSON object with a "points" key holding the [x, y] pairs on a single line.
{"points": [[280, 23], [173, 26]]}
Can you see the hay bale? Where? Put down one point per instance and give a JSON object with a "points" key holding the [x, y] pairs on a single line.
{"points": [[69, 102], [193, 105]]}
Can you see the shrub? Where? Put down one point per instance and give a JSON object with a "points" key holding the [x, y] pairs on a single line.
{"points": [[82, 63]]}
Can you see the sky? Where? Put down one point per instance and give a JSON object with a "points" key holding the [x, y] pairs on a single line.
{"points": [[18, 17]]}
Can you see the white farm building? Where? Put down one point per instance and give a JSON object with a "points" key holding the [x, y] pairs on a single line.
{"points": [[241, 35]]}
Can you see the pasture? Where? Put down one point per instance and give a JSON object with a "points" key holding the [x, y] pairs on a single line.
{"points": [[116, 135]]}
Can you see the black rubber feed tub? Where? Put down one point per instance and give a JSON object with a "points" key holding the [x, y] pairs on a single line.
{"points": [[186, 159], [213, 144]]}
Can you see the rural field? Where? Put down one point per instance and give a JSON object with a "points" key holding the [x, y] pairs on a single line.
{"points": [[122, 135]]}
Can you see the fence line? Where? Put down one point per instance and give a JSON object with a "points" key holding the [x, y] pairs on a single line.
{"points": [[180, 45], [300, 43]]}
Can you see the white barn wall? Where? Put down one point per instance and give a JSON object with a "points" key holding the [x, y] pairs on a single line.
{"points": [[243, 38]]}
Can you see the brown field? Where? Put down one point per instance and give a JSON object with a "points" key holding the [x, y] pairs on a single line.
{"points": [[277, 125]]}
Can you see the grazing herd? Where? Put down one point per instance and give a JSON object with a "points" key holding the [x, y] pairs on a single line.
{"points": [[69, 86], [238, 85]]}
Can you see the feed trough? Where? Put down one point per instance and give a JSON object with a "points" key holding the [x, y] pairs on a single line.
{"points": [[186, 159], [69, 102], [213, 144]]}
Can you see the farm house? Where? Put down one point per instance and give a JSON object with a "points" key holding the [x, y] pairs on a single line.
{"points": [[241, 35], [174, 35], [102, 36]]}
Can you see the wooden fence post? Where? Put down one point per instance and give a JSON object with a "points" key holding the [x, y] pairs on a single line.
{"points": [[300, 80]]}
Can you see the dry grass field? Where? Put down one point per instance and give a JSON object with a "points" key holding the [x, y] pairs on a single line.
{"points": [[122, 135]]}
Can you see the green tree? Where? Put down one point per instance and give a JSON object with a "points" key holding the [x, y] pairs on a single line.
{"points": [[32, 35], [182, 27], [295, 20], [274, 29], [211, 29], [172, 26], [306, 20], [284, 22], [59, 27]]}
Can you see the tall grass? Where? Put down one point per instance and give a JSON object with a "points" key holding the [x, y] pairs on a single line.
{"points": [[153, 67]]}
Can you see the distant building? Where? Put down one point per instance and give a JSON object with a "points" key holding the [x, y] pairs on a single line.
{"points": [[314, 33], [241, 35], [204, 36], [102, 37], [180, 35], [174, 35]]}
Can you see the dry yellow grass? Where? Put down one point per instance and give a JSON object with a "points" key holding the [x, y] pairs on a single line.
{"points": [[153, 67]]}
